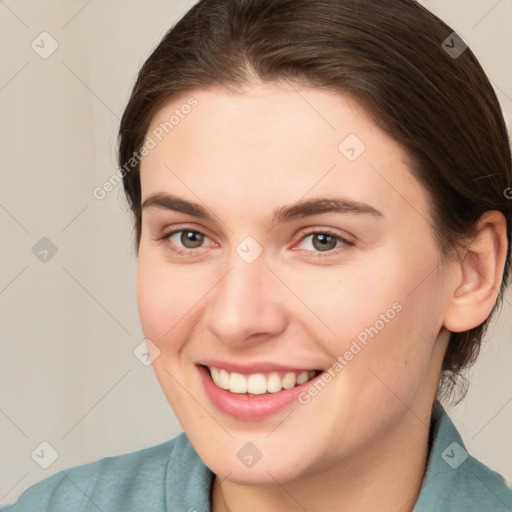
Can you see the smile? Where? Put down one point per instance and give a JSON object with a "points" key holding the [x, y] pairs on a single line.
{"points": [[254, 396], [259, 383]]}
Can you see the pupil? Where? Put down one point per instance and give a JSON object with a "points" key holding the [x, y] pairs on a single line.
{"points": [[331, 241], [193, 238]]}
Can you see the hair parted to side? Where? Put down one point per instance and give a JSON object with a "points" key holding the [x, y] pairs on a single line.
{"points": [[388, 56]]}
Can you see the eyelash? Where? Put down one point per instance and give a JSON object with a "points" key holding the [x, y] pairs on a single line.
{"points": [[346, 243]]}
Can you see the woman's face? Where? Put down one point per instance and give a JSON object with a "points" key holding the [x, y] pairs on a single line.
{"points": [[258, 284]]}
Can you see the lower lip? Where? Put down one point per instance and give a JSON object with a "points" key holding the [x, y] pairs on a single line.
{"points": [[250, 407]]}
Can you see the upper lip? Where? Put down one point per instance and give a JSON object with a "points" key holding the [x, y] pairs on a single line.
{"points": [[250, 368]]}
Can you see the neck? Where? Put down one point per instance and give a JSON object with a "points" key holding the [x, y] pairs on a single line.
{"points": [[385, 475]]}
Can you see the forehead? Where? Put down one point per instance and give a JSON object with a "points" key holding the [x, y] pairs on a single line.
{"points": [[279, 142]]}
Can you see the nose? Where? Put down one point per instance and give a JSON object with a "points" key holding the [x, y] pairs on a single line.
{"points": [[247, 305]]}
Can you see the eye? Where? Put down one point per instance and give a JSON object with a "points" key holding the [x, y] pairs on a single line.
{"points": [[184, 241], [324, 241]]}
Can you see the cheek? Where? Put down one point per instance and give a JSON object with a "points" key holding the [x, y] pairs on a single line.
{"points": [[385, 319], [352, 297], [165, 296]]}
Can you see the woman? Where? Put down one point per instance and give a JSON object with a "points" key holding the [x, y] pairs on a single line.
{"points": [[323, 227]]}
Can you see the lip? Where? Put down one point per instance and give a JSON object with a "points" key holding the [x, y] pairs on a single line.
{"points": [[245, 407], [248, 369]]}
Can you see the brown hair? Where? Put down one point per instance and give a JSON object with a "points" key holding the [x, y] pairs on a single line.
{"points": [[389, 56]]}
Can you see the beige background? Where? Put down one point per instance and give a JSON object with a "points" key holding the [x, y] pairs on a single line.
{"points": [[69, 325]]}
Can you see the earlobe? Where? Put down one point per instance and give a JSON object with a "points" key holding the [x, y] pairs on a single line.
{"points": [[479, 275]]}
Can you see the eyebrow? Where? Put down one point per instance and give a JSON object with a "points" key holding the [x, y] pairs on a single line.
{"points": [[299, 210]]}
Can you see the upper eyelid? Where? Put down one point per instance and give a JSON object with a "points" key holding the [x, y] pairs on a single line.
{"points": [[180, 229]]}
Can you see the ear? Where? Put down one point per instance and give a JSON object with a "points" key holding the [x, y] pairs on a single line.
{"points": [[478, 275]]}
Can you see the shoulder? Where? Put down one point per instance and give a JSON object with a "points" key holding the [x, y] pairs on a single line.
{"points": [[455, 480], [478, 486], [123, 482]]}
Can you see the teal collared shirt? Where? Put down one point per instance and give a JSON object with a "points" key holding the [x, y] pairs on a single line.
{"points": [[170, 477]]}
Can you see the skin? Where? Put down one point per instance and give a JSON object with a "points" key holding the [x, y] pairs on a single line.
{"points": [[363, 441]]}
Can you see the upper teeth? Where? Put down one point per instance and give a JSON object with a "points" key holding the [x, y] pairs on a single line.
{"points": [[258, 383]]}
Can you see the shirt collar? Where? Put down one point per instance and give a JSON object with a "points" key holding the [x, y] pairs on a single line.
{"points": [[447, 453]]}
